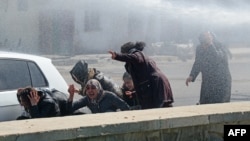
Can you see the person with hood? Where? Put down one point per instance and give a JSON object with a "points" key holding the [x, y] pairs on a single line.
{"points": [[151, 84], [38, 104], [80, 73], [96, 99], [211, 60]]}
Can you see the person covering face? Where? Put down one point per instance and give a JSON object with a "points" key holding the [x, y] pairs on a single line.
{"points": [[37, 103]]}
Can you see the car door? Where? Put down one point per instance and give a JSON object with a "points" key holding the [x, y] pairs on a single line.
{"points": [[14, 74]]}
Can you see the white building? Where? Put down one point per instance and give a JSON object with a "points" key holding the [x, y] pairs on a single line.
{"points": [[66, 26]]}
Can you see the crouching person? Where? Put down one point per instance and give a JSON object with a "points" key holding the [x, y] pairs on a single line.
{"points": [[37, 104], [129, 94], [96, 99], [81, 73]]}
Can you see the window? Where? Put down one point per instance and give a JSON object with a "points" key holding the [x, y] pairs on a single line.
{"points": [[16, 73], [37, 78], [92, 21]]}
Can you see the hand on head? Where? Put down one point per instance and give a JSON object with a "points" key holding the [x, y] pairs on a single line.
{"points": [[34, 97]]}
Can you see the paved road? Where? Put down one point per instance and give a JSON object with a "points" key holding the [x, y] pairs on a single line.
{"points": [[175, 69]]}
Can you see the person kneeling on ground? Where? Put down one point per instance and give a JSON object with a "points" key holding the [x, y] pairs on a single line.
{"points": [[96, 99], [81, 73], [37, 104]]}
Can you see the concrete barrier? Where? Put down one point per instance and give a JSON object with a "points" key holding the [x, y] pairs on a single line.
{"points": [[184, 123]]}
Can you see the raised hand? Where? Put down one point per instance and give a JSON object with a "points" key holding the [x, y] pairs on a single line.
{"points": [[113, 54]]}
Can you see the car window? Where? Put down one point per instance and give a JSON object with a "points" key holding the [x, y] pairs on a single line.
{"points": [[37, 77], [17, 73]]}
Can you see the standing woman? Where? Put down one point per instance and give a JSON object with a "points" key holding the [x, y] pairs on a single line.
{"points": [[152, 86], [212, 61]]}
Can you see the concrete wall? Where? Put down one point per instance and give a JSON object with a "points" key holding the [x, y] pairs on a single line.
{"points": [[187, 123]]}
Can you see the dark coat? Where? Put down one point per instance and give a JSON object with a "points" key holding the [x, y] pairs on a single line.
{"points": [[108, 84], [144, 70], [46, 107], [60, 98], [107, 102], [212, 62]]}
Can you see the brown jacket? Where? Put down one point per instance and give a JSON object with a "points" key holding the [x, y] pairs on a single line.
{"points": [[144, 70]]}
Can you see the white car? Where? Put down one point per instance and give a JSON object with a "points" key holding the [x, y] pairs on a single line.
{"points": [[20, 70]]}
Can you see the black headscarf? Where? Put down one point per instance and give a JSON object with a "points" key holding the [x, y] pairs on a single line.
{"points": [[130, 47]]}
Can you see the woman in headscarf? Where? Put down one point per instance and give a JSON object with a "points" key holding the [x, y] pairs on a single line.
{"points": [[96, 99], [81, 73], [152, 86], [212, 61]]}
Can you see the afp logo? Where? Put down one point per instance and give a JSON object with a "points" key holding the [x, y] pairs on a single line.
{"points": [[241, 132]]}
